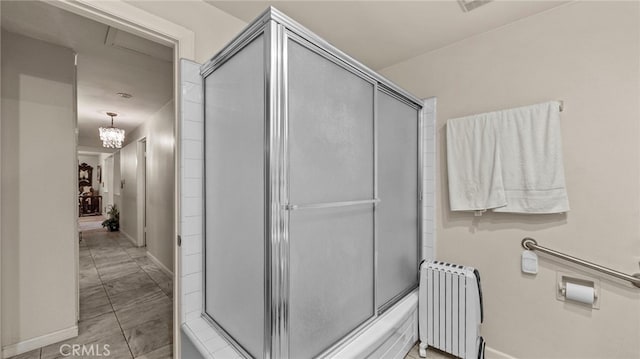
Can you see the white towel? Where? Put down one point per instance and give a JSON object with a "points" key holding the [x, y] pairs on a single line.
{"points": [[507, 161], [531, 156], [473, 161]]}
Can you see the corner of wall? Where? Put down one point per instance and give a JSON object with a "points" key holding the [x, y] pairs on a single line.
{"points": [[602, 37], [38, 80], [428, 178]]}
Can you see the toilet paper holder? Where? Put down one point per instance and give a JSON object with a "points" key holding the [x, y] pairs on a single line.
{"points": [[577, 281], [563, 292]]}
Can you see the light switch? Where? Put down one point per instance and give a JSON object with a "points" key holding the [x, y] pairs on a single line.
{"points": [[529, 262]]}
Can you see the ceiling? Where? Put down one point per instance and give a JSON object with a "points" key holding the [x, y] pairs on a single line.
{"points": [[377, 33], [109, 61], [383, 33]]}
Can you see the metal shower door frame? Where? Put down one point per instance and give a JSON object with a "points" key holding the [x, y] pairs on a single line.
{"points": [[277, 29], [295, 32], [250, 33]]}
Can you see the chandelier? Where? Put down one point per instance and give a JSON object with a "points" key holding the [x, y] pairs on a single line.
{"points": [[111, 137]]}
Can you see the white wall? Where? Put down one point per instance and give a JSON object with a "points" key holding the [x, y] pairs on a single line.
{"points": [[98, 149], [585, 53], [108, 187], [93, 143], [160, 185], [158, 131], [212, 27], [129, 191], [37, 235], [102, 161], [141, 195], [117, 199]]}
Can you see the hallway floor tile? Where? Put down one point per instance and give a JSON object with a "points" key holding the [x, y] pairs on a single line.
{"points": [[126, 301]]}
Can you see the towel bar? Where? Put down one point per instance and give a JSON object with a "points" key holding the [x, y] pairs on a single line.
{"points": [[292, 207], [531, 244]]}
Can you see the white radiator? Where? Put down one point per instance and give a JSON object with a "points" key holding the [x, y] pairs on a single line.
{"points": [[450, 310]]}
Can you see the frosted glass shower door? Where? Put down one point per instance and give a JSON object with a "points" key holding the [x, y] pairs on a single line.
{"points": [[331, 188], [397, 214], [234, 190]]}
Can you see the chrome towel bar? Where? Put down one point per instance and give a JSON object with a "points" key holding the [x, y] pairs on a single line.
{"points": [[292, 207], [531, 244]]}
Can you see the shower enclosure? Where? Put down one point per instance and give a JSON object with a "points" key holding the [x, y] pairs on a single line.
{"points": [[312, 192]]}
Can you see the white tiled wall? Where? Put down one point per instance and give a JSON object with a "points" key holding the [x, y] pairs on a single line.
{"points": [[192, 163], [429, 178]]}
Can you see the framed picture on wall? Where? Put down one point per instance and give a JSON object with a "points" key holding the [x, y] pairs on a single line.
{"points": [[99, 174]]}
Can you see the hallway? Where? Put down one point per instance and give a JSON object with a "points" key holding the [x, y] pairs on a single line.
{"points": [[126, 301]]}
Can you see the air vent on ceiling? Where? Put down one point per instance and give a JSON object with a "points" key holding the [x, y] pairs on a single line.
{"points": [[126, 41], [468, 5]]}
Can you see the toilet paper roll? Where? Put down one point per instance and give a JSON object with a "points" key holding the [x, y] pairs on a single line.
{"points": [[580, 293]]}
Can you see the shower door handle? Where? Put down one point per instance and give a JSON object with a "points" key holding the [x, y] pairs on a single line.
{"points": [[295, 207]]}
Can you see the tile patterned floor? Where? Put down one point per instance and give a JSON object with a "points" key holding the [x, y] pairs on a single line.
{"points": [[126, 301]]}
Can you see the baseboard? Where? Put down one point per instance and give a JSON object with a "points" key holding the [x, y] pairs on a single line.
{"points": [[127, 236], [491, 353], [159, 264], [39, 342]]}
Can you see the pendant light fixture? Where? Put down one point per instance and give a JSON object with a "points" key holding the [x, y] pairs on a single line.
{"points": [[111, 137]]}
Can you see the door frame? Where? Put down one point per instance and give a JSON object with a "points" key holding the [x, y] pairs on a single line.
{"points": [[129, 18], [141, 191]]}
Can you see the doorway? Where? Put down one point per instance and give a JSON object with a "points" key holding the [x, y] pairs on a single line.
{"points": [[142, 191], [112, 16]]}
